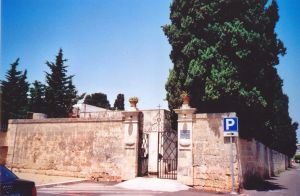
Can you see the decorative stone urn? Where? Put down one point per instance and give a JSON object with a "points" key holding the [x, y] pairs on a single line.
{"points": [[133, 101], [185, 98]]}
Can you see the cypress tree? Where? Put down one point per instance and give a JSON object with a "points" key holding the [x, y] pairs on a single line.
{"points": [[119, 102], [224, 54], [60, 90], [37, 98], [14, 94]]}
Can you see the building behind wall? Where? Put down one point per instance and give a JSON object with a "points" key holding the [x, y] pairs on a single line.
{"points": [[298, 149]]}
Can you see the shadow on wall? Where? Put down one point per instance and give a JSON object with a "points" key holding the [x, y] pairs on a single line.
{"points": [[3, 148], [215, 124], [3, 154], [259, 164]]}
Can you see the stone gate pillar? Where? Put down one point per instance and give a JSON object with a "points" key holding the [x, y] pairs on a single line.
{"points": [[131, 140], [185, 145]]}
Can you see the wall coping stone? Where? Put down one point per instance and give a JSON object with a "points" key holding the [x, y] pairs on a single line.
{"points": [[64, 120], [161, 109], [215, 115]]}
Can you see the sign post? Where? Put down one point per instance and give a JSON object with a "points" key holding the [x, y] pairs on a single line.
{"points": [[231, 130]]}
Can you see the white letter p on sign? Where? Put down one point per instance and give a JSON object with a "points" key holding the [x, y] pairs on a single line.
{"points": [[229, 123]]}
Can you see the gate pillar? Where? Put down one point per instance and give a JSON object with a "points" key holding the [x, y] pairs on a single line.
{"points": [[131, 141], [185, 145]]}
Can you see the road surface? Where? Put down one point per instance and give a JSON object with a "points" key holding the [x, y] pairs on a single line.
{"points": [[286, 184]]}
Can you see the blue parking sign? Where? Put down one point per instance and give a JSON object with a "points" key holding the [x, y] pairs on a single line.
{"points": [[230, 126]]}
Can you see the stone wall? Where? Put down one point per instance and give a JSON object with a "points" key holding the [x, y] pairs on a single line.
{"points": [[255, 160], [2, 138], [98, 146], [106, 148], [211, 154], [211, 157], [258, 162], [3, 148], [280, 162], [69, 147]]}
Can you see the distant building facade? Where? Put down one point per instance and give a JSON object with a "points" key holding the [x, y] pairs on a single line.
{"points": [[298, 149], [82, 110]]}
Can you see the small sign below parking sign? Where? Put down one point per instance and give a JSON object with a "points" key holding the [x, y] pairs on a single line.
{"points": [[231, 127]]}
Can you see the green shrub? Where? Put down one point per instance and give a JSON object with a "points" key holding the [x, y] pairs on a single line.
{"points": [[297, 157]]}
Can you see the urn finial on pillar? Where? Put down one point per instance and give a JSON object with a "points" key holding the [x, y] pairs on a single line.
{"points": [[185, 100], [133, 101]]}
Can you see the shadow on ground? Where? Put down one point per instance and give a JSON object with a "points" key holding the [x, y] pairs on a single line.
{"points": [[264, 185]]}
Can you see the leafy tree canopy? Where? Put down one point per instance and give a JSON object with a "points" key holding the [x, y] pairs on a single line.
{"points": [[224, 54], [97, 99]]}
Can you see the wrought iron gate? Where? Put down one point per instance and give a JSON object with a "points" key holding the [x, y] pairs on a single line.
{"points": [[143, 154], [167, 155]]}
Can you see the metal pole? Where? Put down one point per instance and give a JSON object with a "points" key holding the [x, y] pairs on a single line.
{"points": [[231, 165]]}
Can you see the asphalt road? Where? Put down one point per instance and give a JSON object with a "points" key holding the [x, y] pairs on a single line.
{"points": [[286, 184]]}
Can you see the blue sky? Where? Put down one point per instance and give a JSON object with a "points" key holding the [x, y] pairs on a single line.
{"points": [[117, 46]]}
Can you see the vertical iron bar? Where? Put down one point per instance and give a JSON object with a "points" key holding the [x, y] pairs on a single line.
{"points": [[173, 175], [158, 162]]}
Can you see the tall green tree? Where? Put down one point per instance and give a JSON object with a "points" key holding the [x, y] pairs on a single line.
{"points": [[60, 91], [119, 102], [224, 54], [71, 95], [37, 102], [14, 94], [97, 99]]}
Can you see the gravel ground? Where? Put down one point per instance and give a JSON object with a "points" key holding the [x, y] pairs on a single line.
{"points": [[40, 179]]}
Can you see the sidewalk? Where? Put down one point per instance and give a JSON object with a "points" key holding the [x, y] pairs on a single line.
{"points": [[42, 180], [153, 184]]}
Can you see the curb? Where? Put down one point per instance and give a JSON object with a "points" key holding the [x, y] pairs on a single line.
{"points": [[60, 183]]}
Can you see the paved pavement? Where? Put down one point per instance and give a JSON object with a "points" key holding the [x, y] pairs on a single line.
{"points": [[41, 179]]}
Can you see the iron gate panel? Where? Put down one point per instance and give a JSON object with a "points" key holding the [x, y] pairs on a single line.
{"points": [[143, 154], [167, 155]]}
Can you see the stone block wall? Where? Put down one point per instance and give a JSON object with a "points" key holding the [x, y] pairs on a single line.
{"points": [[3, 148], [255, 160], [211, 157], [279, 162], [258, 162], [106, 148], [211, 154], [2, 138], [93, 147], [68, 147]]}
